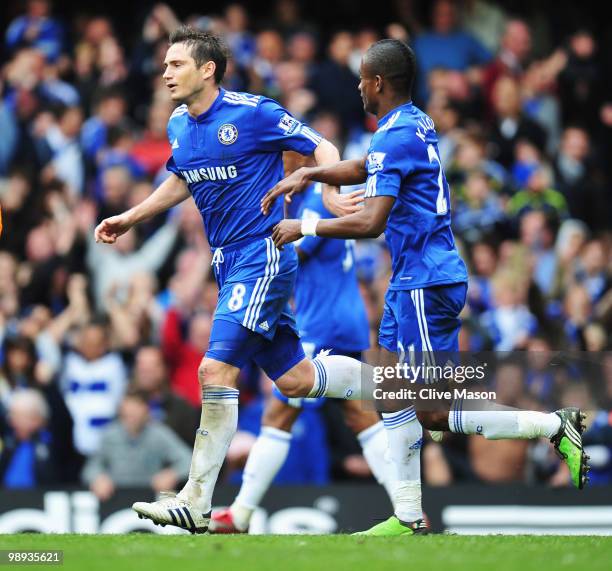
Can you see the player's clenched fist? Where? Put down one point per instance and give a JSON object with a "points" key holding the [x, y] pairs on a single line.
{"points": [[111, 228]]}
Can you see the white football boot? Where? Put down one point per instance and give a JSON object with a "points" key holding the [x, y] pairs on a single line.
{"points": [[171, 510]]}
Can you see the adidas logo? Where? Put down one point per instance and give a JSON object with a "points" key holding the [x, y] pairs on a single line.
{"points": [[175, 145], [264, 325]]}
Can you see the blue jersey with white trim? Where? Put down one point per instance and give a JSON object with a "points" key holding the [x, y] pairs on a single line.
{"points": [[403, 161], [329, 309], [230, 156]]}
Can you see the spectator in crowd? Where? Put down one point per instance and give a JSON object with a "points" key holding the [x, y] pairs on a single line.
{"points": [[537, 233], [239, 38], [509, 323], [270, 52], [335, 84], [114, 267], [153, 149], [592, 271], [510, 125], [578, 310], [484, 264], [158, 458], [578, 177], [31, 454], [538, 195], [151, 378], [36, 28], [61, 152], [110, 111], [486, 21], [582, 80], [479, 210], [446, 46], [302, 48], [22, 368], [571, 238], [512, 58], [93, 381]]}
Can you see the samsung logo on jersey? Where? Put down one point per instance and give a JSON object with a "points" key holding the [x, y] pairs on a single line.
{"points": [[210, 173]]}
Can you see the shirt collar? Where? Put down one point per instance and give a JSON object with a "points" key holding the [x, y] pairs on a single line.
{"points": [[382, 121]]}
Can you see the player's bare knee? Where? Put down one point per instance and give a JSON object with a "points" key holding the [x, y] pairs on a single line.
{"points": [[291, 389], [298, 381], [210, 372]]}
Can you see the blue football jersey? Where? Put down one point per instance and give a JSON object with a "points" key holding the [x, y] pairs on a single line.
{"points": [[230, 156], [403, 161], [329, 309]]}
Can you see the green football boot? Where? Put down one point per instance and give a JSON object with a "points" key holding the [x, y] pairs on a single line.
{"points": [[568, 444], [394, 526]]}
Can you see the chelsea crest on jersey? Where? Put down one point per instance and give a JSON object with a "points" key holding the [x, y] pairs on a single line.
{"points": [[230, 156]]}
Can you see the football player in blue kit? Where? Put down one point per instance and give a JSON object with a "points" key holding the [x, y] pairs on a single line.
{"points": [[226, 152], [408, 198], [331, 316]]}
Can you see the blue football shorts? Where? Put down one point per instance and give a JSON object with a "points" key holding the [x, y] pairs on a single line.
{"points": [[253, 320], [422, 321]]}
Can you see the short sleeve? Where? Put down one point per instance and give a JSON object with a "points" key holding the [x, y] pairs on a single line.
{"points": [[387, 164], [171, 166], [278, 130]]}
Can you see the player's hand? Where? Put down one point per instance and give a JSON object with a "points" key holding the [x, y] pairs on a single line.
{"points": [[286, 231], [294, 183], [111, 228], [343, 204]]}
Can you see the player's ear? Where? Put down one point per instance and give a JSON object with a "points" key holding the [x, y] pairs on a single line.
{"points": [[378, 83], [208, 69]]}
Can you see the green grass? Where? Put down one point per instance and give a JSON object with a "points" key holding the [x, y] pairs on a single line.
{"points": [[297, 553]]}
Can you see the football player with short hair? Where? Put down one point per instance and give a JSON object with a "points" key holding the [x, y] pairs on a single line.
{"points": [[408, 198]]}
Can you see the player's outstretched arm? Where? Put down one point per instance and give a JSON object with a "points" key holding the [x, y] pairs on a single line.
{"points": [[369, 222], [168, 194], [335, 175]]}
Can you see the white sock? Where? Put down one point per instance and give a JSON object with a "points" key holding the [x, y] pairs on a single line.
{"points": [[405, 436], [374, 445], [497, 422], [266, 458], [337, 376], [217, 427]]}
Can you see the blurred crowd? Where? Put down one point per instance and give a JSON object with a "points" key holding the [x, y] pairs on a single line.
{"points": [[100, 344]]}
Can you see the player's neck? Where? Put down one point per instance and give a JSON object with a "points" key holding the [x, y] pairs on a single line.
{"points": [[203, 101], [385, 106]]}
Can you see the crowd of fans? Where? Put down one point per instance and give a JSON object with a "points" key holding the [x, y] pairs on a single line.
{"points": [[100, 344]]}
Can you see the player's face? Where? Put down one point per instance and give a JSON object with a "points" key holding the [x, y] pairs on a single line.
{"points": [[368, 87], [183, 78]]}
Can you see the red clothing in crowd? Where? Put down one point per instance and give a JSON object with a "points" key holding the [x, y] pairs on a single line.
{"points": [[151, 152], [182, 358]]}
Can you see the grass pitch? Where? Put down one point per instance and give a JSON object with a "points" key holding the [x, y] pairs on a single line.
{"points": [[339, 552]]}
